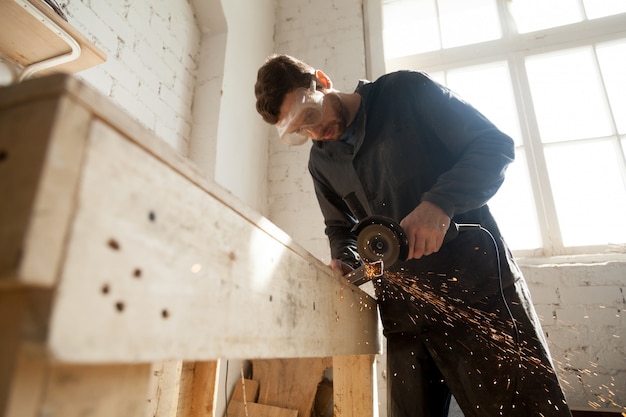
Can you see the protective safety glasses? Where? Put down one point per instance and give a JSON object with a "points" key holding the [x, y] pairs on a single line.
{"points": [[305, 113]]}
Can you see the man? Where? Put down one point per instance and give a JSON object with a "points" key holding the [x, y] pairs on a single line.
{"points": [[457, 316]]}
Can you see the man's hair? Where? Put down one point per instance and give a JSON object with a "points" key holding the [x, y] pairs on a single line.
{"points": [[278, 76]]}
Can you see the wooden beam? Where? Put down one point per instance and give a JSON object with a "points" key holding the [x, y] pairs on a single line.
{"points": [[149, 261], [354, 384], [290, 383], [41, 387], [12, 305], [198, 387]]}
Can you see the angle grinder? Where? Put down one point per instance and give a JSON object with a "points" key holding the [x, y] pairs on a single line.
{"points": [[381, 240]]}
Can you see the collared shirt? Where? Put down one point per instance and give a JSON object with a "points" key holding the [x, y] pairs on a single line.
{"points": [[413, 140]]}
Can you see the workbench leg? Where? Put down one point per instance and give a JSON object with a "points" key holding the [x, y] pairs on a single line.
{"points": [[164, 388], [41, 388], [11, 309], [198, 388], [354, 385]]}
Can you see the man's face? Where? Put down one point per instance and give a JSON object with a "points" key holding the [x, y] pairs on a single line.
{"points": [[331, 125]]}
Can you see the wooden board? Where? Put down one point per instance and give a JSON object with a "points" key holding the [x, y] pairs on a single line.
{"points": [[40, 168], [25, 40], [290, 383], [198, 387], [246, 390], [150, 261], [239, 409], [11, 310], [41, 387], [354, 384]]}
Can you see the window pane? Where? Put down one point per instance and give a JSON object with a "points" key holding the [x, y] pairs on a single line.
{"points": [[568, 96], [589, 192], [600, 8], [612, 60], [514, 207], [531, 15], [409, 27], [466, 22], [488, 88]]}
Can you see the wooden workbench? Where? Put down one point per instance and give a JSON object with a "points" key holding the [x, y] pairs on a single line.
{"points": [[115, 254]]}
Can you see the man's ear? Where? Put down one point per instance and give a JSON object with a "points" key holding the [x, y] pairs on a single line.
{"points": [[323, 79]]}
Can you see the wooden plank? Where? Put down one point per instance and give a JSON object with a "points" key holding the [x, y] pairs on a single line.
{"points": [[12, 302], [198, 388], [163, 388], [25, 40], [146, 248], [43, 388], [290, 383], [239, 409], [40, 166], [28, 385], [246, 390], [155, 255], [354, 384]]}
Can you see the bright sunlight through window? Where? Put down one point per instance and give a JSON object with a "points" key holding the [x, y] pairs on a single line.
{"points": [[552, 75]]}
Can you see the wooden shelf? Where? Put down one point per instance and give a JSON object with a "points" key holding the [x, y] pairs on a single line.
{"points": [[25, 40]]}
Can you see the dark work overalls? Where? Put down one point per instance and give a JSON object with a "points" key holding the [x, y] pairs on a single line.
{"points": [[459, 320]]}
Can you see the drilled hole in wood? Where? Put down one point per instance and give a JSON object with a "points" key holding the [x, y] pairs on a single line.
{"points": [[165, 314], [4, 155], [152, 216], [105, 289], [113, 244], [137, 273], [271, 298], [119, 306]]}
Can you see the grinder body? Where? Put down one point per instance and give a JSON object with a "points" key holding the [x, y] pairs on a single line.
{"points": [[380, 238]]}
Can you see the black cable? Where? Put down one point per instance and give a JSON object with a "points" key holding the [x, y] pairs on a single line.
{"points": [[462, 227]]}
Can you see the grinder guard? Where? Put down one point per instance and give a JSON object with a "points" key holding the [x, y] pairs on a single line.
{"points": [[381, 239]]}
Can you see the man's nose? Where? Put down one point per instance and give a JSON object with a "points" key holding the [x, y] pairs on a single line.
{"points": [[315, 132]]}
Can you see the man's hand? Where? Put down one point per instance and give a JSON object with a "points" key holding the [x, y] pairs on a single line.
{"points": [[339, 267], [425, 228]]}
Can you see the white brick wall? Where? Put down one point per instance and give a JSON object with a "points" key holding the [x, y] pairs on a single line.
{"points": [[152, 53], [327, 34], [582, 310]]}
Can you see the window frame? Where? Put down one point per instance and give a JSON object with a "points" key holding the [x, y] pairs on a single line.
{"points": [[512, 48]]}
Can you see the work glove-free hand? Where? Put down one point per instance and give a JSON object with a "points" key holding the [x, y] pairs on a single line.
{"points": [[425, 227]]}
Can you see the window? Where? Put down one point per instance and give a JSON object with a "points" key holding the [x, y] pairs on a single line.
{"points": [[552, 75]]}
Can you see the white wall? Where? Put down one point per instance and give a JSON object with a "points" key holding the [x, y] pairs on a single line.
{"points": [[152, 57], [241, 165], [328, 35]]}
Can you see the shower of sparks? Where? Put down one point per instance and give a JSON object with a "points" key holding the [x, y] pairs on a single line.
{"points": [[492, 331]]}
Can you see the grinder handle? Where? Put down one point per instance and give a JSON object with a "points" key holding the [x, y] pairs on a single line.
{"points": [[355, 206]]}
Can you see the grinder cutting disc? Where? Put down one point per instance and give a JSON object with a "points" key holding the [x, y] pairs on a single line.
{"points": [[381, 240]]}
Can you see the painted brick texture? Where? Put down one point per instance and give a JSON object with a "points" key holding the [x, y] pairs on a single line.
{"points": [[152, 52], [327, 34], [581, 308]]}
